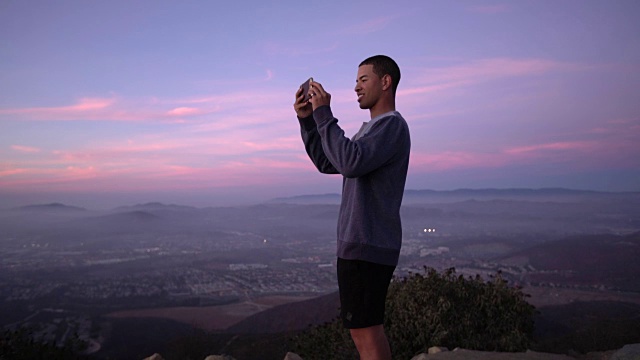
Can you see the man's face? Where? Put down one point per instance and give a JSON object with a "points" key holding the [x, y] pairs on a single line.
{"points": [[368, 87]]}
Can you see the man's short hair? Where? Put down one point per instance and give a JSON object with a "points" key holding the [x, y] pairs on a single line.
{"points": [[384, 65]]}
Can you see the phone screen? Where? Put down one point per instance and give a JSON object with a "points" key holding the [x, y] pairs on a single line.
{"points": [[305, 88]]}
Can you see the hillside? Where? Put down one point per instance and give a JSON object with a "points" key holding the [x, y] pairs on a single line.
{"points": [[290, 317], [606, 259]]}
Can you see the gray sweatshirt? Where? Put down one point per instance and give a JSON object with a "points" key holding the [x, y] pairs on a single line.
{"points": [[374, 168]]}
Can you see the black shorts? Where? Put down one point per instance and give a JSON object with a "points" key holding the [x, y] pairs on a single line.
{"points": [[363, 290]]}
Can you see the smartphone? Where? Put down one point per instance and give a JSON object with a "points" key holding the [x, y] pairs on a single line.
{"points": [[305, 89]]}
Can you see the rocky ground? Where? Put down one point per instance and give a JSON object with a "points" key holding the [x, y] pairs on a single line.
{"points": [[484, 355], [628, 352]]}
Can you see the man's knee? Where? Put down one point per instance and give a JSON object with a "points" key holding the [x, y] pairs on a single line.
{"points": [[368, 335], [371, 343]]}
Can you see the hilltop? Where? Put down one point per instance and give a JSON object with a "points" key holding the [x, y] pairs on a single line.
{"points": [[436, 196]]}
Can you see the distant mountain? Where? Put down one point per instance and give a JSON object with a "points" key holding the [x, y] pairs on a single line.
{"points": [[122, 222], [421, 196], [308, 199], [127, 216], [168, 212], [155, 206], [468, 194], [53, 207]]}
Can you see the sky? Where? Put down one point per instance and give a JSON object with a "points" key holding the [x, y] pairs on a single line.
{"points": [[108, 103]]}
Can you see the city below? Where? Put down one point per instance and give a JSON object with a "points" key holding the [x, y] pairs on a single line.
{"points": [[70, 272]]}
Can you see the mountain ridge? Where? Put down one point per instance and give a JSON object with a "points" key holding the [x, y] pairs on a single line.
{"points": [[410, 196], [55, 206]]}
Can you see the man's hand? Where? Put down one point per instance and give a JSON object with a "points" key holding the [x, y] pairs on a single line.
{"points": [[303, 108], [319, 97]]}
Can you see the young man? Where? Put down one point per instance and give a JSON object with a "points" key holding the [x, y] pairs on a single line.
{"points": [[374, 168]]}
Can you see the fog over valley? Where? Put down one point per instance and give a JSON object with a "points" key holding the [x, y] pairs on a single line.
{"points": [[71, 270]]}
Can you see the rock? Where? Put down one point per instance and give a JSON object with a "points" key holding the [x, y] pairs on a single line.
{"points": [[219, 357], [628, 352], [436, 349], [292, 356], [155, 356], [463, 354], [422, 356], [534, 355], [597, 355]]}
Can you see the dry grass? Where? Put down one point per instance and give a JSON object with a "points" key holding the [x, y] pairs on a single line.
{"points": [[211, 318]]}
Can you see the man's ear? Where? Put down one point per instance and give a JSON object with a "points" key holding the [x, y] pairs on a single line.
{"points": [[386, 82]]}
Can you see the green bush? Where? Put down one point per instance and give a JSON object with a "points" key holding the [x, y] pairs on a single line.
{"points": [[445, 309], [327, 341], [20, 345], [437, 309]]}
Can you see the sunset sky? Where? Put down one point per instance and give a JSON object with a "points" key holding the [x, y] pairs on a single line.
{"points": [[107, 103]]}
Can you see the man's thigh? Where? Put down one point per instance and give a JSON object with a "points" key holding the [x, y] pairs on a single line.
{"points": [[363, 290]]}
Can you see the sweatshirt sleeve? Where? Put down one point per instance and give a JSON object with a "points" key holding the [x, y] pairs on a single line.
{"points": [[313, 146], [359, 157]]}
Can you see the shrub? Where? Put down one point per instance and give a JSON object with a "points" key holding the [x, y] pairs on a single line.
{"points": [[446, 309], [438, 309], [20, 345], [328, 341]]}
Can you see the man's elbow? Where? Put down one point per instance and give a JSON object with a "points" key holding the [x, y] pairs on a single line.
{"points": [[352, 173], [326, 169]]}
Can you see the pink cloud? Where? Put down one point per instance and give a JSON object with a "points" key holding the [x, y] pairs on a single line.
{"points": [[619, 148], [18, 177], [110, 109], [494, 68], [141, 153], [614, 143], [181, 147], [84, 105], [158, 176], [184, 111], [12, 172], [620, 127], [84, 109], [75, 172], [25, 149], [270, 75], [259, 102], [420, 90], [443, 83], [292, 163], [448, 160], [180, 155], [283, 143], [567, 145]]}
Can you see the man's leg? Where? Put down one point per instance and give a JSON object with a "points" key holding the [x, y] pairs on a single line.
{"points": [[363, 290], [372, 343]]}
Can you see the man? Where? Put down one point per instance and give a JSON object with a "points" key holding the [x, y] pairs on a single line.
{"points": [[374, 168]]}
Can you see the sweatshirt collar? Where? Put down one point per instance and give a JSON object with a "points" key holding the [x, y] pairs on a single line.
{"points": [[364, 129]]}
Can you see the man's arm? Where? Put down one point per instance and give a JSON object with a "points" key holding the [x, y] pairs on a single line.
{"points": [[310, 137], [313, 146], [359, 157]]}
